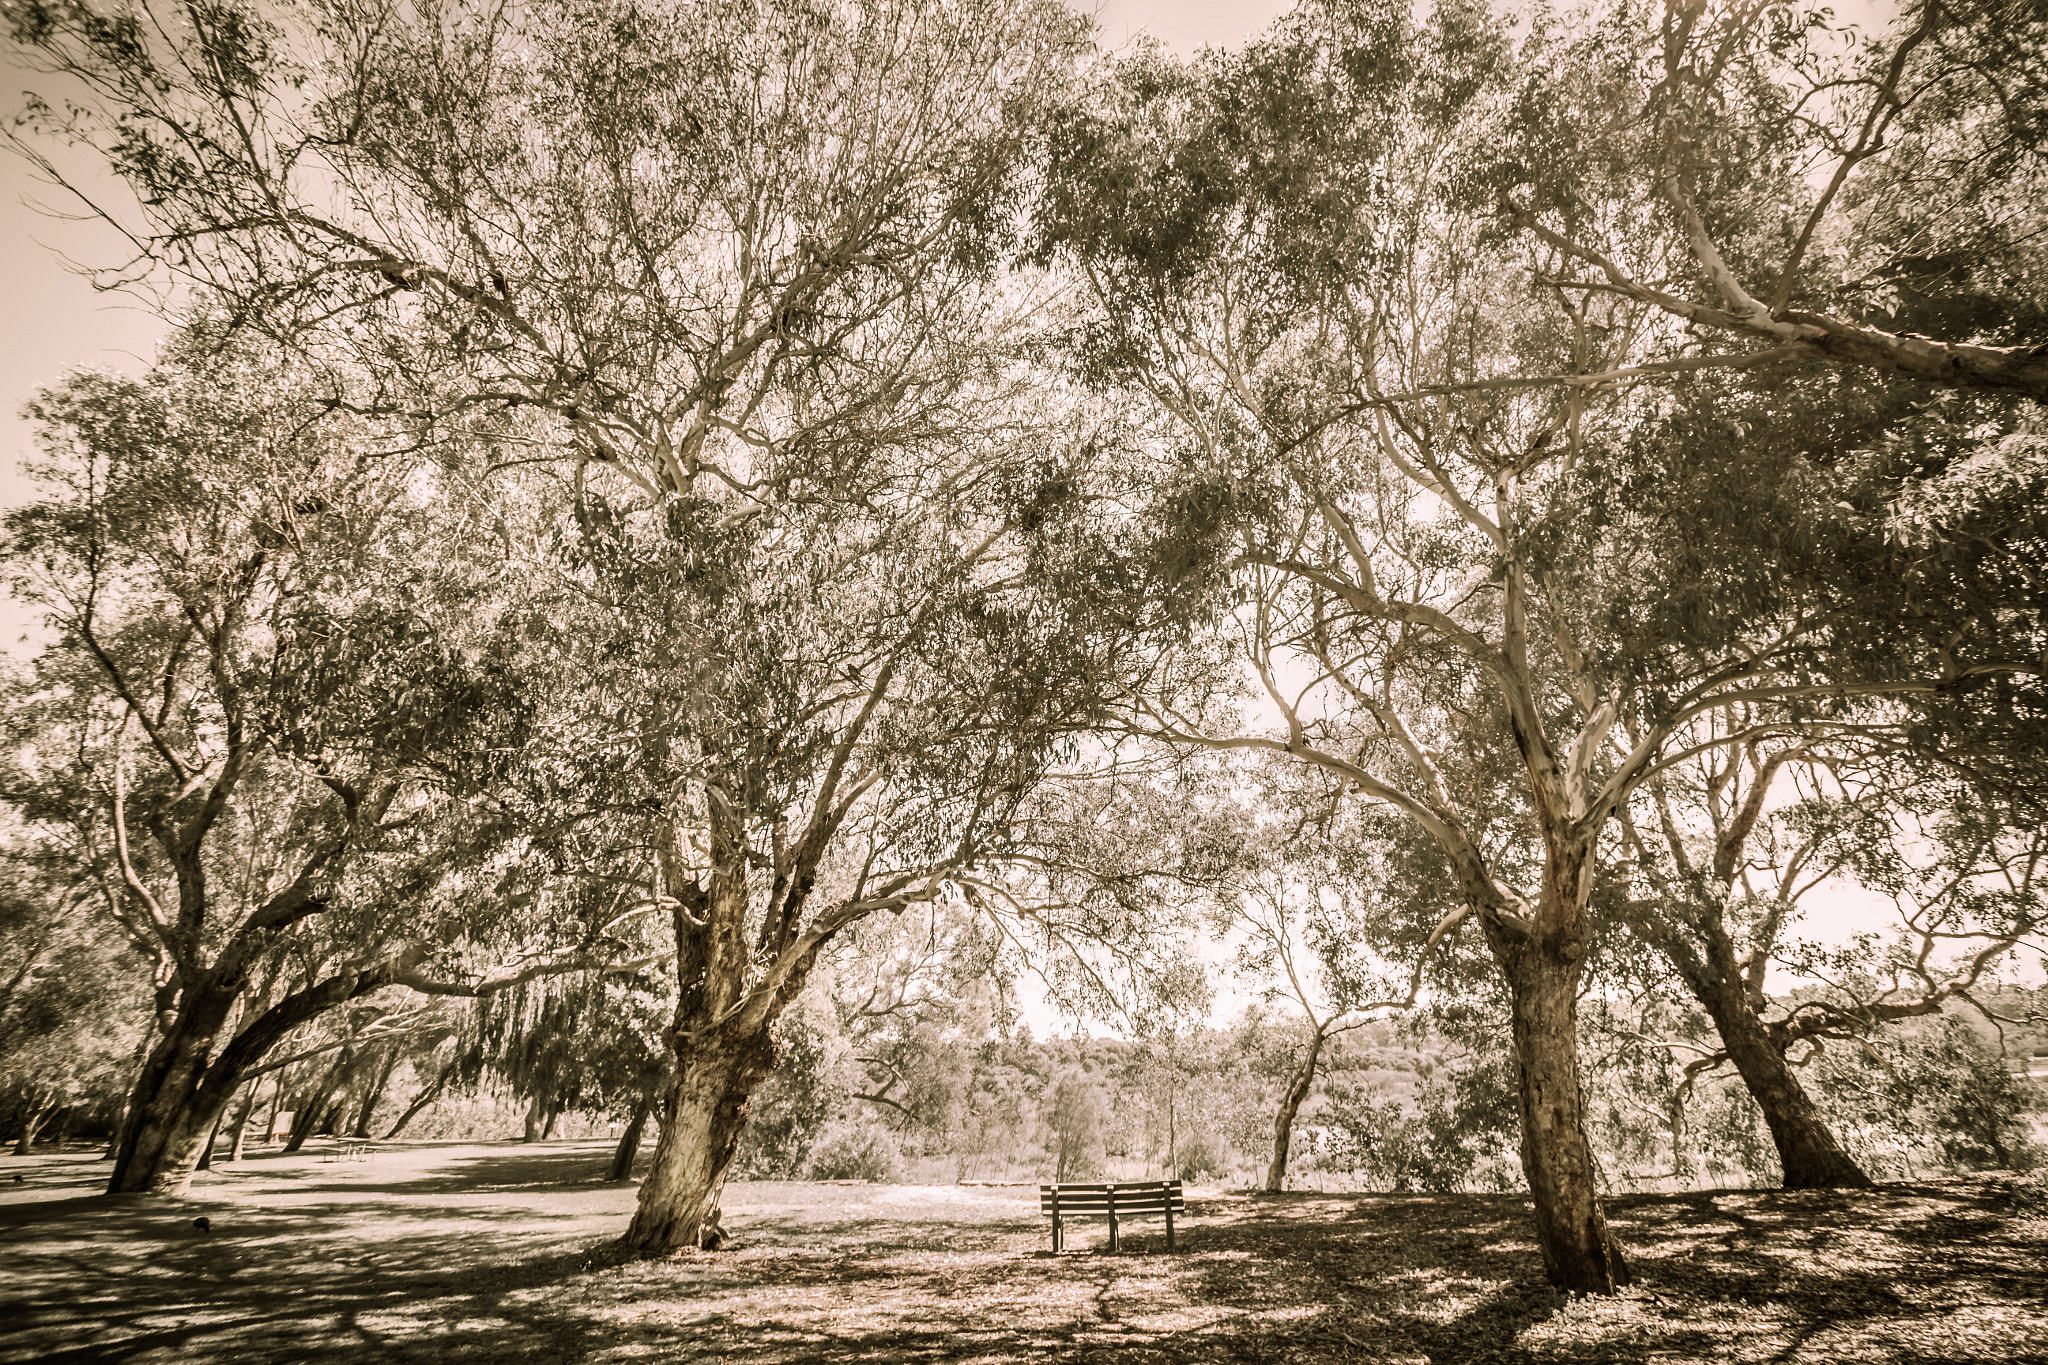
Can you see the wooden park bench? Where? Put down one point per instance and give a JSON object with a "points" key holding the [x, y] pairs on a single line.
{"points": [[1115, 1201]]}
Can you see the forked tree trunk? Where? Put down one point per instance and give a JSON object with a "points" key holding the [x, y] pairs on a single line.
{"points": [[1580, 1255], [1290, 1105], [1541, 951], [40, 1107], [629, 1144], [1807, 1150], [702, 1116]]}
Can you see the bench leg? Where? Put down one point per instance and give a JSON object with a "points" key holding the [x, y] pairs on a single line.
{"points": [[1113, 1229], [1169, 1227], [1059, 1240]]}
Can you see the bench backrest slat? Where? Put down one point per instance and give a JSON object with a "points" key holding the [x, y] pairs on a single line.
{"points": [[1153, 1196]]}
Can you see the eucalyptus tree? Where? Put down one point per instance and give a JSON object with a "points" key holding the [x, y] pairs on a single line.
{"points": [[1473, 554], [1729, 847], [856, 732], [275, 642]]}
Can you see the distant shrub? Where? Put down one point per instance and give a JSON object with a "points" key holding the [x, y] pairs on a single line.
{"points": [[1199, 1156], [856, 1148]]}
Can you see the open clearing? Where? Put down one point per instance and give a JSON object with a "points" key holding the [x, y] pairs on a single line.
{"points": [[441, 1252]]}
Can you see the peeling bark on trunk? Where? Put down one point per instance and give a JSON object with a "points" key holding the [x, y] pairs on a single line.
{"points": [[629, 1144], [702, 1116], [1541, 953], [1290, 1105], [733, 982], [1580, 1255]]}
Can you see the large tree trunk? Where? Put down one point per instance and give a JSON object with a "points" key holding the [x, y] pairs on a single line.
{"points": [[629, 1144], [176, 1103], [1290, 1105], [186, 1082], [536, 1111], [1807, 1150], [1579, 1254], [702, 1115], [166, 1137]]}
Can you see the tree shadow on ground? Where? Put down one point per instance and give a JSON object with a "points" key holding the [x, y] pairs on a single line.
{"points": [[470, 1169], [1947, 1271]]}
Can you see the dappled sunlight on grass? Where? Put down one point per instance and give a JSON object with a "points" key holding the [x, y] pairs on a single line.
{"points": [[502, 1253]]}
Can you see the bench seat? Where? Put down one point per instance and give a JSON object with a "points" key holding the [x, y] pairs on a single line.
{"points": [[1114, 1200]]}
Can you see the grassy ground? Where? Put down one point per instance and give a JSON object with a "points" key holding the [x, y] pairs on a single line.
{"points": [[462, 1254]]}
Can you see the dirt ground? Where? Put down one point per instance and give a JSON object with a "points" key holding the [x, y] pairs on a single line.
{"points": [[454, 1254]]}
